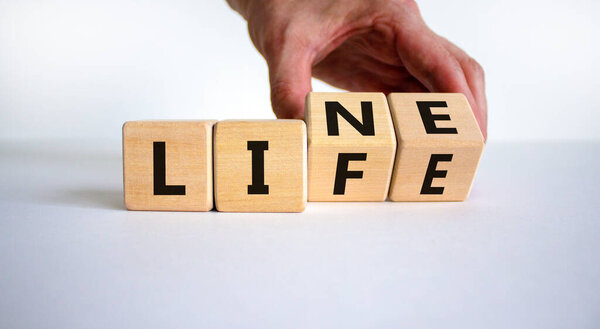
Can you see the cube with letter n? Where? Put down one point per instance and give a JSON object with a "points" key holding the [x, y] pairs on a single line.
{"points": [[351, 146]]}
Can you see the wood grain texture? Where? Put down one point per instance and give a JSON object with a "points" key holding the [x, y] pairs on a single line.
{"points": [[188, 156], [285, 170], [324, 148], [416, 147]]}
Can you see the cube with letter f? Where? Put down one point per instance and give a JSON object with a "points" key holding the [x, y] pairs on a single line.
{"points": [[351, 146], [439, 147]]}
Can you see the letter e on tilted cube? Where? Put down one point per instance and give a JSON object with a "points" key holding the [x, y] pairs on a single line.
{"points": [[439, 147]]}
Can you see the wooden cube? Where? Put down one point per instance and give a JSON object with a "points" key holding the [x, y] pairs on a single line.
{"points": [[260, 166], [167, 165], [439, 147], [351, 146]]}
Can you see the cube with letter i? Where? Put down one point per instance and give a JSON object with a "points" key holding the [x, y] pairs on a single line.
{"points": [[260, 166]]}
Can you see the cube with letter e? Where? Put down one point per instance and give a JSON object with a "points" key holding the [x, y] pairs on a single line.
{"points": [[439, 147]]}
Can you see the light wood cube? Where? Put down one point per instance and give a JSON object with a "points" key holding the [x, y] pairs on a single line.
{"points": [[260, 166], [167, 165], [351, 146], [439, 147]]}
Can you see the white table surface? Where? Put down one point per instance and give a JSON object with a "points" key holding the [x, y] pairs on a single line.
{"points": [[522, 252]]}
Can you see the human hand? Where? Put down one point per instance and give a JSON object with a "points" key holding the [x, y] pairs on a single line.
{"points": [[357, 45]]}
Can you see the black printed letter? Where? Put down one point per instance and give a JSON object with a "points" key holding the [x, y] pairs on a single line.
{"points": [[258, 149], [433, 173], [160, 173], [342, 172], [367, 128], [429, 118]]}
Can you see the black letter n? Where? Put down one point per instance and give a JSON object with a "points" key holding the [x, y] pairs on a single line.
{"points": [[366, 128]]}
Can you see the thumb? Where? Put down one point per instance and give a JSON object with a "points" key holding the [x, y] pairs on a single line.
{"points": [[289, 75]]}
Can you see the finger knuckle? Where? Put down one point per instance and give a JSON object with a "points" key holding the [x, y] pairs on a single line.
{"points": [[401, 6], [474, 66], [444, 65], [281, 91], [282, 35]]}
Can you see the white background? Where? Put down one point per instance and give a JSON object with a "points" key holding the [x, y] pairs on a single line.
{"points": [[521, 252], [77, 68]]}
